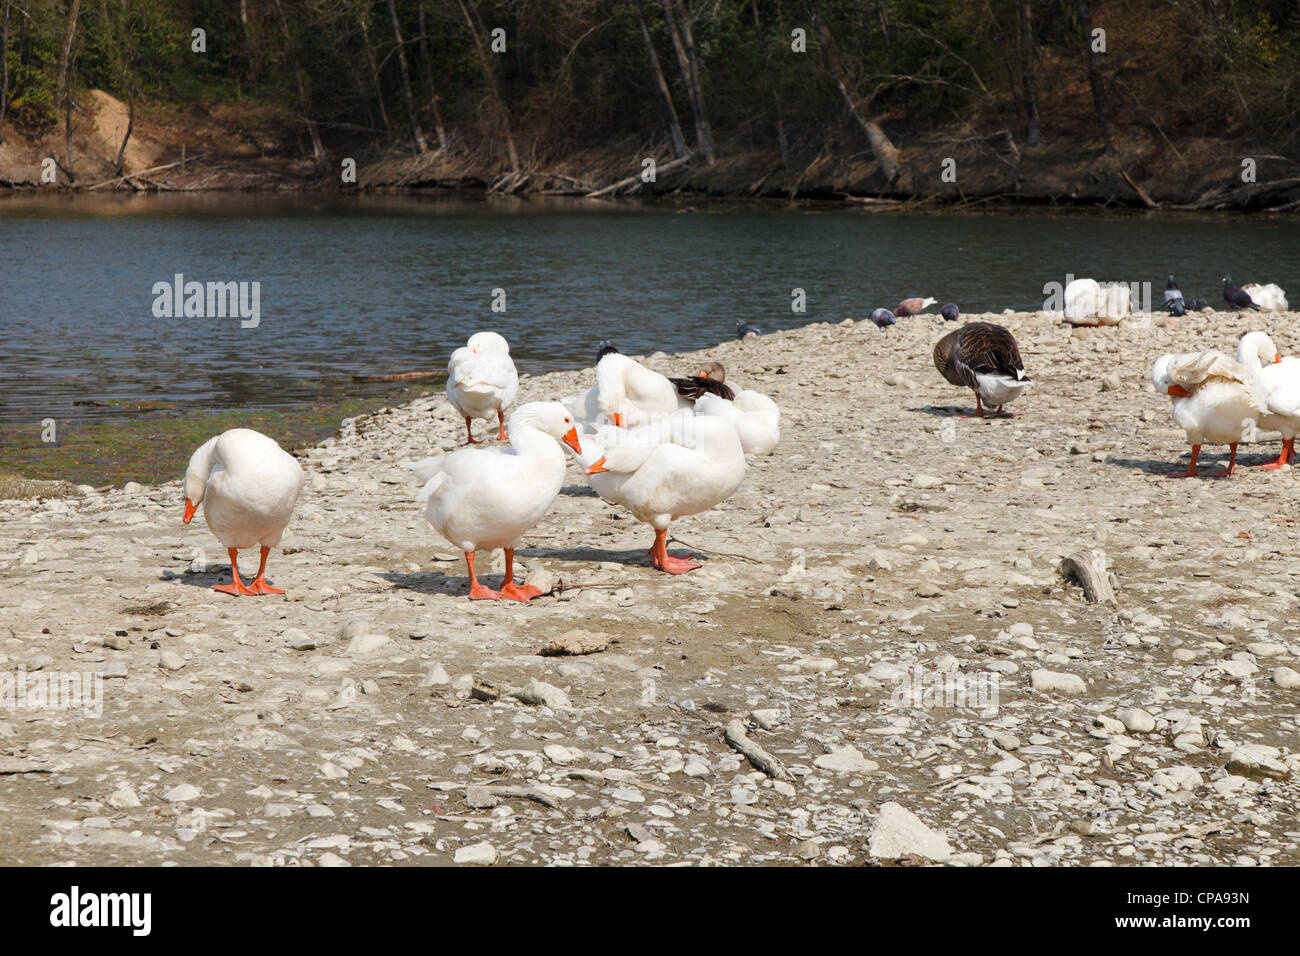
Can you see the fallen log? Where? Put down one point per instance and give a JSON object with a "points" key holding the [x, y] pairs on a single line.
{"points": [[636, 177]]}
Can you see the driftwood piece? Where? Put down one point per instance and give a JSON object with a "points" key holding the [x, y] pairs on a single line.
{"points": [[636, 177], [737, 739], [535, 693], [1088, 569], [395, 378], [574, 643]]}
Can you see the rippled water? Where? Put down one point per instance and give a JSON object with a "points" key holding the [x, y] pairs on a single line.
{"points": [[390, 284]]}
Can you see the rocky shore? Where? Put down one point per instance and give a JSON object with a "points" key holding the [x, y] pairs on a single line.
{"points": [[373, 715]]}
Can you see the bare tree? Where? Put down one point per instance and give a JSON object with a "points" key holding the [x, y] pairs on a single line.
{"points": [[676, 141], [885, 152], [416, 133], [426, 66], [4, 71], [65, 94], [374, 68], [304, 97], [477, 29], [679, 29], [781, 139], [1095, 80], [1025, 15]]}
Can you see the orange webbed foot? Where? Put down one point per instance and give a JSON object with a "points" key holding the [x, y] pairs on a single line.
{"points": [[518, 592], [237, 589], [481, 592], [259, 586]]}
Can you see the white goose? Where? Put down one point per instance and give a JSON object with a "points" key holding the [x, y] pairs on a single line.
{"points": [[698, 467], [1215, 400], [1269, 297], [631, 394], [1280, 378], [482, 381], [248, 486], [754, 416], [485, 499]]}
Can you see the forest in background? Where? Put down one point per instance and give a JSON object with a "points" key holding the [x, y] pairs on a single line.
{"points": [[870, 94]]}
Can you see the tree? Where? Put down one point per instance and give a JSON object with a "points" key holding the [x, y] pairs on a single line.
{"points": [[427, 68], [884, 151], [676, 141], [1025, 16], [416, 133], [1095, 81], [679, 29], [64, 84]]}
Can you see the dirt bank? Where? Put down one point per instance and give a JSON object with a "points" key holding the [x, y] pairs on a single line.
{"points": [[253, 148]]}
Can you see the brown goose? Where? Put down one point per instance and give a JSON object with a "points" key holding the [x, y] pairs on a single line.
{"points": [[710, 380], [985, 358]]}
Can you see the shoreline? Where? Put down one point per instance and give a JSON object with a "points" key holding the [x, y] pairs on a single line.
{"points": [[338, 724]]}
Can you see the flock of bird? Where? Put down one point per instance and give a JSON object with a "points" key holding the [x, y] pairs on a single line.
{"points": [[662, 448], [665, 448]]}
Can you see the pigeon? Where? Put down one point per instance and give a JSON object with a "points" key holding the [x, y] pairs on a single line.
{"points": [[913, 306], [1193, 304], [882, 317], [950, 312], [1237, 297], [742, 330], [606, 348], [1174, 298]]}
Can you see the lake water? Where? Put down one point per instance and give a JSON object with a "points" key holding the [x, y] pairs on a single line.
{"points": [[392, 284]]}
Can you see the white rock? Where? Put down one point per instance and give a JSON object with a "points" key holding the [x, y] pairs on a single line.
{"points": [[1046, 681], [845, 760], [899, 832], [182, 793], [482, 854], [1287, 678], [1136, 720], [365, 643]]}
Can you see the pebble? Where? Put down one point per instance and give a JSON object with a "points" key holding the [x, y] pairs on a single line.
{"points": [[898, 832]]}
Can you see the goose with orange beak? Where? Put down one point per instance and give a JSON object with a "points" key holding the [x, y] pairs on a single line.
{"points": [[247, 486], [1215, 400], [678, 466], [480, 500], [1280, 379]]}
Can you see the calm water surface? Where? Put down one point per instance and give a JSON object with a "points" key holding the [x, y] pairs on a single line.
{"points": [[390, 284]]}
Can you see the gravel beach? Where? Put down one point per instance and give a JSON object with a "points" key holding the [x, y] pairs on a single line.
{"points": [[374, 715]]}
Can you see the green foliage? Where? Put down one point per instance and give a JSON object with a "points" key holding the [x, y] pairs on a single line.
{"points": [[576, 72]]}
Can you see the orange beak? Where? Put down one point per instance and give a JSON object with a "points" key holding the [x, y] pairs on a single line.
{"points": [[190, 508], [1179, 392], [618, 420], [571, 439], [596, 467], [1277, 357]]}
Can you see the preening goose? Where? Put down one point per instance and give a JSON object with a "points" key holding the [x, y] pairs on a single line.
{"points": [[485, 499], [1280, 379], [631, 394], [985, 358], [754, 416], [669, 469], [1270, 297], [482, 381], [248, 486], [1214, 400]]}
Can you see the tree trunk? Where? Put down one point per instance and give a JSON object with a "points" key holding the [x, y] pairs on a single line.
{"points": [[65, 95], [374, 71], [304, 97], [679, 28], [477, 33], [4, 72], [884, 151], [426, 65], [781, 140], [130, 125], [417, 134], [676, 141], [1094, 74], [1024, 8]]}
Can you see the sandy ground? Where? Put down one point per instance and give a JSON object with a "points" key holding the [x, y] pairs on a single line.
{"points": [[336, 725]]}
